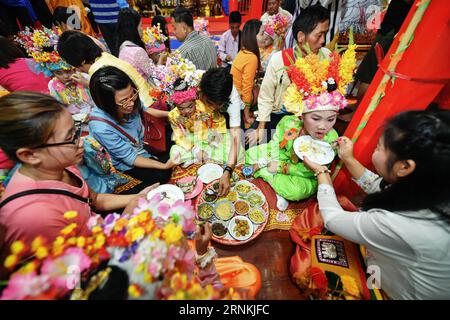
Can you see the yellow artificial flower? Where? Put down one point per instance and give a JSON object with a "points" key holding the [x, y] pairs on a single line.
{"points": [[293, 100], [96, 229], [37, 243], [347, 66], [17, 247], [70, 214], [41, 253], [28, 268], [11, 261], [72, 241], [69, 229], [135, 234], [350, 286], [172, 233], [99, 241], [81, 242], [135, 291]]}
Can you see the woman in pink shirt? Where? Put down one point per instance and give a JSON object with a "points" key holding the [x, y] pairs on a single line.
{"points": [[38, 131], [18, 73]]}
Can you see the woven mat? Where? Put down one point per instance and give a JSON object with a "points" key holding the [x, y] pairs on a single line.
{"points": [[277, 220]]}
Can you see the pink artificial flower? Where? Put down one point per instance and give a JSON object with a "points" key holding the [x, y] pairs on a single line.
{"points": [[324, 99], [22, 286], [180, 97], [66, 268]]}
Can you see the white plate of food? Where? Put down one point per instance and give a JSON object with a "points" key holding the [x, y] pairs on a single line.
{"points": [[168, 193], [240, 228], [209, 172], [317, 151]]}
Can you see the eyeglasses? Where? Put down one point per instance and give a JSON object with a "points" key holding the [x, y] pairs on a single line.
{"points": [[74, 141], [130, 99]]}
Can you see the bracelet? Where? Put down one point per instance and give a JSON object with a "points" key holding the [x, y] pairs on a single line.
{"points": [[229, 169], [325, 170], [206, 258]]}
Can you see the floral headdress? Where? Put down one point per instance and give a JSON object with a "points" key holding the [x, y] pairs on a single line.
{"points": [[320, 84], [276, 25], [178, 69], [201, 26], [149, 245], [40, 44], [153, 39]]}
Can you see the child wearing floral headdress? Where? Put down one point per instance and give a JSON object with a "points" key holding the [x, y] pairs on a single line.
{"points": [[67, 85], [154, 40], [271, 37], [198, 130], [315, 96]]}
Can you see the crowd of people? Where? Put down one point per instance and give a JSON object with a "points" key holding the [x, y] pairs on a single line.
{"points": [[69, 93]]}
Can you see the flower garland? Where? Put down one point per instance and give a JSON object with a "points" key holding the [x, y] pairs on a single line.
{"points": [[154, 39], [276, 25], [176, 68], [201, 26], [149, 244], [40, 44]]}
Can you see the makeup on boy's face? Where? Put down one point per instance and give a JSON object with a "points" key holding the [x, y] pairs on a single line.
{"points": [[234, 28], [319, 123], [187, 108], [64, 75]]}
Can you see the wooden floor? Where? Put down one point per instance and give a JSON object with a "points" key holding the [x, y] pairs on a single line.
{"points": [[270, 253]]}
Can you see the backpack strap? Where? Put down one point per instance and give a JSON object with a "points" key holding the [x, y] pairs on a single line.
{"points": [[288, 57], [115, 126], [46, 191]]}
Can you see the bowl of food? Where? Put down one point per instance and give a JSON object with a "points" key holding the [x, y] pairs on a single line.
{"points": [[243, 188], [187, 184], [224, 210], [240, 228], [215, 186], [232, 196], [219, 228], [257, 215], [205, 211], [241, 207], [256, 199], [210, 198]]}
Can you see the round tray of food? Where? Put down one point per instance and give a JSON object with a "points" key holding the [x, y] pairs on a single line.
{"points": [[236, 218]]}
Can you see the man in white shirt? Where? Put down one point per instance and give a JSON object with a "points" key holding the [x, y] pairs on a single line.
{"points": [[273, 7], [229, 41], [310, 28]]}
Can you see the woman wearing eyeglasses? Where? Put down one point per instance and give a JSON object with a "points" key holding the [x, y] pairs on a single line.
{"points": [[38, 132], [116, 123]]}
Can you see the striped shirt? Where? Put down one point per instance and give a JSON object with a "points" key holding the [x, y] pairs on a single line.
{"points": [[200, 50], [105, 11]]}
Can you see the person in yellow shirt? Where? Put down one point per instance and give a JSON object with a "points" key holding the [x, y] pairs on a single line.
{"points": [[245, 68]]}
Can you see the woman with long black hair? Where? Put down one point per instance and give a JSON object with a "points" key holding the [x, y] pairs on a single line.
{"points": [[245, 67], [404, 222], [131, 47]]}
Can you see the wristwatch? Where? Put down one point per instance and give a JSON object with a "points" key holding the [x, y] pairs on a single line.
{"points": [[247, 171]]}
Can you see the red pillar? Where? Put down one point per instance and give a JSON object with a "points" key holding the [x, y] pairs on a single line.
{"points": [[426, 57], [233, 5]]}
